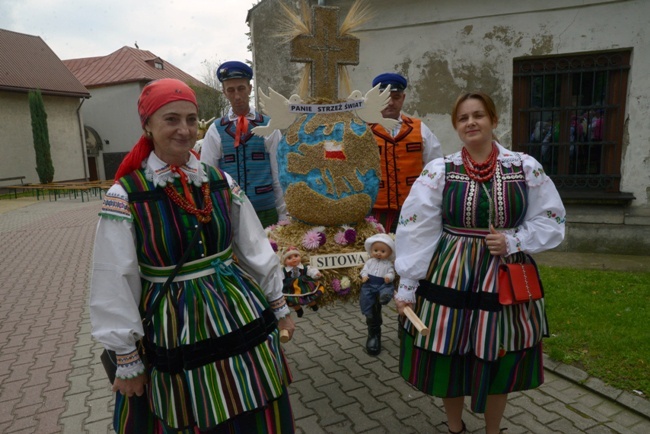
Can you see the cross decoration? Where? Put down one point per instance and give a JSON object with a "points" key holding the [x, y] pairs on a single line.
{"points": [[325, 49]]}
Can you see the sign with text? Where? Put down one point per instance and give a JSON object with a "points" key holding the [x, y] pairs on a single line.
{"points": [[326, 108], [338, 260]]}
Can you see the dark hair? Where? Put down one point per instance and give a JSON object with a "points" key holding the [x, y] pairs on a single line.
{"points": [[483, 97]]}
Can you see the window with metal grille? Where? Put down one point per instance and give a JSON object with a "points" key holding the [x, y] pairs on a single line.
{"points": [[568, 113]]}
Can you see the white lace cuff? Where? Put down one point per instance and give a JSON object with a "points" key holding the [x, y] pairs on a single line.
{"points": [[280, 308], [129, 365], [406, 290]]}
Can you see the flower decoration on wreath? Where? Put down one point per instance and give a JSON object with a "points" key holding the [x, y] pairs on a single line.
{"points": [[341, 286], [342, 283]]}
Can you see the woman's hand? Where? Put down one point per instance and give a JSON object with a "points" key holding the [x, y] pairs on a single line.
{"points": [[131, 386], [496, 242], [401, 305], [287, 324]]}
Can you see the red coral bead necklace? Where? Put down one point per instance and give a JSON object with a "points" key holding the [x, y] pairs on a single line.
{"points": [[480, 172]]}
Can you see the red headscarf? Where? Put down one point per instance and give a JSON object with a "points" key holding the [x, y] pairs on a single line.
{"points": [[154, 95]]}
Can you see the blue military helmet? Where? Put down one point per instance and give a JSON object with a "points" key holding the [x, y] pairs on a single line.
{"points": [[396, 82], [234, 69]]}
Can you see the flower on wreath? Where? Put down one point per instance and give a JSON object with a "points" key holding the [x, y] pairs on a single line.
{"points": [[270, 229], [378, 226], [314, 238], [284, 223], [274, 245], [342, 286], [346, 285], [345, 236]]}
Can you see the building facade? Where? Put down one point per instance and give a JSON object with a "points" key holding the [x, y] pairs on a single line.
{"points": [[568, 78], [28, 64]]}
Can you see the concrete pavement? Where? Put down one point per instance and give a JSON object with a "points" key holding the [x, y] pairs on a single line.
{"points": [[51, 380]]}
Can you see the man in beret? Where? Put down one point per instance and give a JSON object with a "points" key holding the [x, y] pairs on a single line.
{"points": [[250, 160], [404, 151]]}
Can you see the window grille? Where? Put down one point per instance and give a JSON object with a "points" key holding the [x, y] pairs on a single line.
{"points": [[568, 113]]}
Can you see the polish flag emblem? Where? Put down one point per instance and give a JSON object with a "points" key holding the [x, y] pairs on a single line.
{"points": [[334, 151]]}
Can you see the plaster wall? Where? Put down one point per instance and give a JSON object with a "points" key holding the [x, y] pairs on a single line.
{"points": [[17, 144], [113, 112], [445, 47]]}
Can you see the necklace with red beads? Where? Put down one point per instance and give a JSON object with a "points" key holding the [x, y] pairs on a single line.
{"points": [[480, 172], [203, 215]]}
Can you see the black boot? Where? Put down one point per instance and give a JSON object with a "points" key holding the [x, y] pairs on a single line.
{"points": [[373, 344]]}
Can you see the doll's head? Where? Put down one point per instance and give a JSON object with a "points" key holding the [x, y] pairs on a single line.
{"points": [[380, 250], [291, 257], [380, 246]]}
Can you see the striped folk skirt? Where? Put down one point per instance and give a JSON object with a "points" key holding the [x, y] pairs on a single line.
{"points": [[133, 416], [467, 375], [214, 354], [476, 346]]}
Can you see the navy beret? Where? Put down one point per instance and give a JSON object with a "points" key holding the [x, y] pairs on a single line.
{"points": [[396, 81], [234, 69]]}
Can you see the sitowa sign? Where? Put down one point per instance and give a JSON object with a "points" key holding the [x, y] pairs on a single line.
{"points": [[338, 260]]}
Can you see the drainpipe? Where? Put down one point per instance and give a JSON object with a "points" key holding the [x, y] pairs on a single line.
{"points": [[83, 139]]}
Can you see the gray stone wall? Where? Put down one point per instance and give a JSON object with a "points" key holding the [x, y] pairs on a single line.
{"points": [[445, 47]]}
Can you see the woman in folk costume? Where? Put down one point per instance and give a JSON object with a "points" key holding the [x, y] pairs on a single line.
{"points": [[464, 214], [213, 357]]}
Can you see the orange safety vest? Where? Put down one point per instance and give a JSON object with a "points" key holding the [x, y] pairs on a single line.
{"points": [[401, 162]]}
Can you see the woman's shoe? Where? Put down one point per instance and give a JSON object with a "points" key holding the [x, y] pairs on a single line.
{"points": [[463, 430]]}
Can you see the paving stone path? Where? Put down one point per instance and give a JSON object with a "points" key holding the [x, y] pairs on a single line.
{"points": [[51, 380]]}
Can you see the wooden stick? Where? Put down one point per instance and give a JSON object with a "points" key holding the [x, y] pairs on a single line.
{"points": [[284, 336], [417, 322]]}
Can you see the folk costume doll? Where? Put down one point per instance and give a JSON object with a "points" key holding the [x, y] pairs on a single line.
{"points": [[377, 289], [300, 285]]}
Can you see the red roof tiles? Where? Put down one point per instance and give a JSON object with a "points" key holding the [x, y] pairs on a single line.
{"points": [[28, 63], [125, 65]]}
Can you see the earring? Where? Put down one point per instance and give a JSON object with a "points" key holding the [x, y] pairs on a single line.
{"points": [[148, 134]]}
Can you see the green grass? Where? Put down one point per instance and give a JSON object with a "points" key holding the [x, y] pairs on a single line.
{"points": [[600, 322]]}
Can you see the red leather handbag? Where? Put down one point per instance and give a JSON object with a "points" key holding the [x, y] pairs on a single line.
{"points": [[519, 283]]}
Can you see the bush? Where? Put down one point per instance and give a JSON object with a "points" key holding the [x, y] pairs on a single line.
{"points": [[44, 167]]}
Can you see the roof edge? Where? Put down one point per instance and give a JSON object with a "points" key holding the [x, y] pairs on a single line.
{"points": [[44, 91]]}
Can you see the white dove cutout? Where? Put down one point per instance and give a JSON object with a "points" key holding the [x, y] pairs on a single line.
{"points": [[374, 102], [276, 107]]}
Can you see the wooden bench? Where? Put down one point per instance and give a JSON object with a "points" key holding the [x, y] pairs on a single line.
{"points": [[72, 189], [13, 178]]}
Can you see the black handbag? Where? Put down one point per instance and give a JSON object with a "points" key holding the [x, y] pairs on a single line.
{"points": [[108, 357]]}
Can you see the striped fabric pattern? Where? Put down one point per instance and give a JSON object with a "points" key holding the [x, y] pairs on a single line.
{"points": [[302, 290], [132, 415], [455, 375], [218, 303], [248, 163], [465, 340]]}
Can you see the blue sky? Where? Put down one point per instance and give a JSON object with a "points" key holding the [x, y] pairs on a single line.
{"points": [[183, 32]]}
